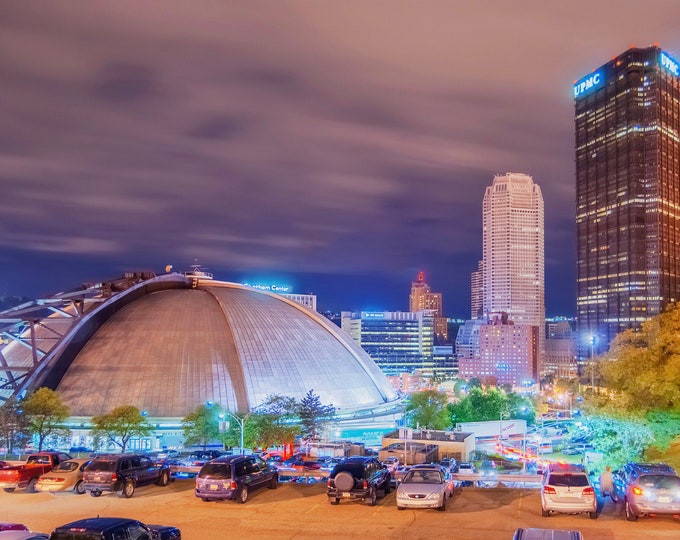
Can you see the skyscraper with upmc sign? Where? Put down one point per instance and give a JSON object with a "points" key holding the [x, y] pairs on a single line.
{"points": [[627, 193]]}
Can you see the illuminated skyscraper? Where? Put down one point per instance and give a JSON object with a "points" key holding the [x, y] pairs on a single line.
{"points": [[627, 120], [421, 298], [513, 252]]}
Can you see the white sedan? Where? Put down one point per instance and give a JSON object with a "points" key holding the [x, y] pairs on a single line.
{"points": [[424, 487]]}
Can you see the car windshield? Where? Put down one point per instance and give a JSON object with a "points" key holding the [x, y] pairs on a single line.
{"points": [[105, 466], [215, 470], [356, 469], [423, 476], [568, 480], [660, 481], [66, 466]]}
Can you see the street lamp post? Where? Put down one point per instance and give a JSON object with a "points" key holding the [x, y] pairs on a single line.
{"points": [[241, 424], [592, 362]]}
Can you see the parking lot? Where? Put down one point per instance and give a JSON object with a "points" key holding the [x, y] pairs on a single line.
{"points": [[300, 511]]}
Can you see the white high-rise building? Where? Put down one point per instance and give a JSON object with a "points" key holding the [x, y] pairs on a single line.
{"points": [[514, 253]]}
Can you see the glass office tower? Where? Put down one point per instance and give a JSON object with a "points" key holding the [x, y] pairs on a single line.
{"points": [[627, 116]]}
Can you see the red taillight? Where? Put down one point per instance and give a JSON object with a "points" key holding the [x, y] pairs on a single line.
{"points": [[233, 485], [365, 484], [58, 479], [549, 490], [589, 491], [114, 477], [328, 484], [637, 490]]}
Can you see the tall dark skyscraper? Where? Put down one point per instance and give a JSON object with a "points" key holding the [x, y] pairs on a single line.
{"points": [[627, 193]]}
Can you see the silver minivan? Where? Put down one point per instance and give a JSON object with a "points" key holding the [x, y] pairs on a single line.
{"points": [[546, 534], [567, 490]]}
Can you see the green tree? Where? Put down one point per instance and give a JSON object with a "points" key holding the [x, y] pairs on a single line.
{"points": [[642, 368], [202, 426], [427, 410], [13, 426], [313, 415], [276, 422], [45, 415], [120, 425]]}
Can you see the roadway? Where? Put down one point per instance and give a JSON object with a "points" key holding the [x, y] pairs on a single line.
{"points": [[301, 511]]}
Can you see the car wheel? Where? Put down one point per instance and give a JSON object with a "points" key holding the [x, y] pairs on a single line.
{"points": [[372, 496], [274, 482], [128, 489], [545, 513], [205, 499], [629, 511], [30, 488], [613, 497], [9, 490], [163, 479], [95, 493], [442, 508], [243, 494], [78, 488], [401, 508], [333, 500], [593, 515]]}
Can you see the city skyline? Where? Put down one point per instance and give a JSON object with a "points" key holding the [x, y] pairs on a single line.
{"points": [[339, 149]]}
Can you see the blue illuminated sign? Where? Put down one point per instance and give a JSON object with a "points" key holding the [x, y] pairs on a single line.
{"points": [[587, 83], [669, 64], [272, 288], [372, 315]]}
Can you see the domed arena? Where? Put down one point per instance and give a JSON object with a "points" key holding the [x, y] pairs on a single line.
{"points": [[170, 343]]}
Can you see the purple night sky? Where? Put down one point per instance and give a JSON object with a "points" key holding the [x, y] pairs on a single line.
{"points": [[337, 146]]}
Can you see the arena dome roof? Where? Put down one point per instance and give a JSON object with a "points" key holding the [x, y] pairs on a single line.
{"points": [[169, 349]]}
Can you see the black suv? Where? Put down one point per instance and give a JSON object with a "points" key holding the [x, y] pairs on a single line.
{"points": [[111, 528], [358, 478], [122, 473], [233, 477]]}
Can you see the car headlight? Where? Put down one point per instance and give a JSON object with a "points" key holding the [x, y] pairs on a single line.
{"points": [[401, 495], [433, 496]]}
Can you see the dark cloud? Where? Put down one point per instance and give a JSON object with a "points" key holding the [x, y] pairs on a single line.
{"points": [[343, 147]]}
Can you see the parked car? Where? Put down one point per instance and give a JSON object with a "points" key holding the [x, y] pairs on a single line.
{"points": [[234, 477], [302, 462], [189, 466], [546, 534], [466, 467], [26, 475], [567, 489], [23, 535], [113, 528], [7, 526], [579, 448], [68, 475], [80, 450], [358, 477], [391, 462], [122, 473], [424, 487], [449, 465], [488, 473], [647, 488]]}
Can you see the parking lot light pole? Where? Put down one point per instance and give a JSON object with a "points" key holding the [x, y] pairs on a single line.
{"points": [[241, 424]]}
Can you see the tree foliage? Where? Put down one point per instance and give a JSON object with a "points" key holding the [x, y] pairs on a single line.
{"points": [[313, 415], [642, 368], [120, 425], [275, 421], [427, 410], [201, 426], [13, 426], [45, 414], [482, 405]]}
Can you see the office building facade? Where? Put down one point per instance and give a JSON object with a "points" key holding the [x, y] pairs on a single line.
{"points": [[422, 298], [399, 342], [627, 138], [513, 263]]}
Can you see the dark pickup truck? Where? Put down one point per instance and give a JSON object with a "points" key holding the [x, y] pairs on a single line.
{"points": [[26, 475]]}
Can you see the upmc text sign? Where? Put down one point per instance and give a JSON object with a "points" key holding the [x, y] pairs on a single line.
{"points": [[669, 64], [587, 83]]}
